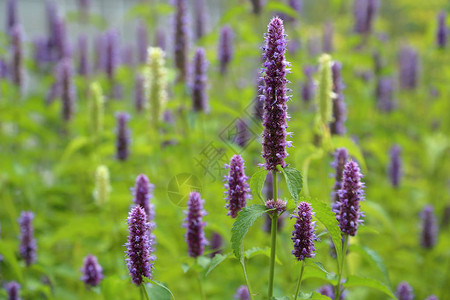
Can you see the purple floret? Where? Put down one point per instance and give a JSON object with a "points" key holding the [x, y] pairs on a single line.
{"points": [[350, 195], [429, 228], [27, 248], [304, 234], [195, 237], [404, 291], [237, 187], [92, 271], [122, 136], [139, 261], [275, 98]]}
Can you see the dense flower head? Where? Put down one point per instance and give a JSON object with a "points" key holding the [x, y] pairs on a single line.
{"points": [[337, 126], [409, 67], [216, 244], [238, 190], [384, 93], [277, 207], [195, 236], [143, 193], [12, 289], [404, 291], [27, 248], [17, 55], [308, 87], [200, 18], [242, 293], [429, 234], [340, 159], [442, 30], [92, 271], [111, 52], [102, 185], [364, 13], [139, 261], [139, 93], [395, 165], [66, 88], [142, 41], [83, 63], [156, 84], [200, 80], [275, 98], [181, 39], [226, 48], [122, 136], [304, 233], [328, 31], [350, 195]]}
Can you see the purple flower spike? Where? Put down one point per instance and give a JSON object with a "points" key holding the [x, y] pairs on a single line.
{"points": [[27, 248], [337, 126], [328, 31], [364, 12], [409, 68], [225, 48], [181, 39], [200, 19], [304, 234], [442, 31], [429, 228], [236, 185], [92, 271], [12, 289], [350, 195], [216, 244], [83, 66], [432, 297], [17, 55], [275, 98], [11, 15], [404, 291], [200, 79], [143, 192], [139, 261], [61, 39], [142, 42], [139, 93], [195, 237], [243, 135], [41, 51], [340, 159], [384, 93], [308, 87], [111, 53], [123, 136], [395, 165], [242, 293], [66, 88], [126, 55], [257, 6]]}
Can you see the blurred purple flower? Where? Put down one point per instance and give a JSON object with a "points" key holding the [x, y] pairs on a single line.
{"points": [[195, 237], [100, 52], [384, 93], [404, 291], [429, 232], [200, 80], [12, 19], [237, 188], [200, 18], [314, 48], [92, 271], [243, 134], [122, 136], [27, 248], [12, 289], [308, 87], [83, 63], [328, 31], [226, 48], [328, 290], [395, 165], [142, 42], [181, 39], [126, 55], [17, 55], [216, 244], [337, 126], [364, 13], [61, 39], [409, 68], [257, 6], [242, 293], [442, 30], [41, 51], [160, 39], [111, 53], [66, 88], [432, 297]]}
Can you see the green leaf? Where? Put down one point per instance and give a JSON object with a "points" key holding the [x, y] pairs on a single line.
{"points": [[325, 216], [316, 264], [368, 282], [373, 256], [294, 181], [257, 183], [260, 251], [244, 221], [217, 260], [157, 290], [312, 296]]}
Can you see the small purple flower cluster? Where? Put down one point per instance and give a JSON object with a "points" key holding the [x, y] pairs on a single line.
{"points": [[304, 234], [236, 185], [195, 236]]}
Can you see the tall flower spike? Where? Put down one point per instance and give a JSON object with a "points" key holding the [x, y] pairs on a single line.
{"points": [[304, 233], [350, 195], [225, 50], [364, 12], [395, 165], [96, 108], [429, 234], [404, 291], [92, 271], [325, 90], [17, 55], [142, 42], [337, 126], [123, 136], [275, 98], [328, 31], [199, 84], [156, 84], [102, 185], [308, 87], [409, 68], [139, 93], [200, 19], [27, 248], [238, 190], [66, 88], [12, 289], [442, 31], [181, 39], [139, 261], [83, 63], [242, 293], [384, 93], [195, 237], [143, 192], [340, 159]]}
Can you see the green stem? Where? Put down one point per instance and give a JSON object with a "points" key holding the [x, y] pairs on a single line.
{"points": [[144, 294], [273, 233], [246, 278], [341, 267], [299, 282], [200, 285]]}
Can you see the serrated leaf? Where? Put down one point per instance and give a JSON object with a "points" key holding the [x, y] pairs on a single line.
{"points": [[217, 260], [373, 256], [316, 264], [158, 290], [368, 282], [257, 183], [260, 251], [294, 181], [244, 221]]}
